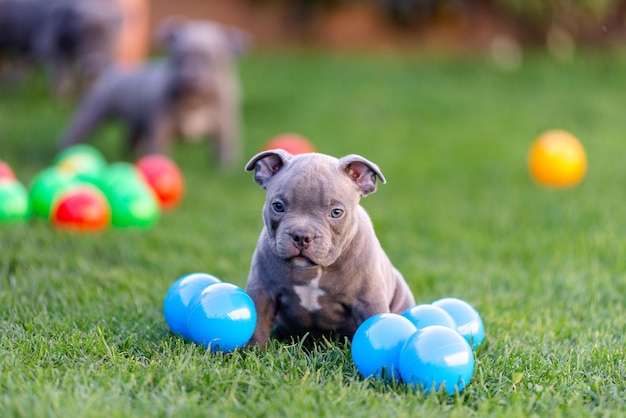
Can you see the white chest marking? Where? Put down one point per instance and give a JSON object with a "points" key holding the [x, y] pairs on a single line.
{"points": [[197, 122], [309, 294]]}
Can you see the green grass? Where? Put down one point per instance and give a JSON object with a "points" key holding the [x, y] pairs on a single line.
{"points": [[81, 325]]}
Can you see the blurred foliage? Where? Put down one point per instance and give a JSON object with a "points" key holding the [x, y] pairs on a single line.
{"points": [[536, 12], [547, 11], [536, 9], [560, 23]]}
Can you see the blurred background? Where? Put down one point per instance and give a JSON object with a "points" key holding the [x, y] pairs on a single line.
{"points": [[460, 24], [501, 28]]}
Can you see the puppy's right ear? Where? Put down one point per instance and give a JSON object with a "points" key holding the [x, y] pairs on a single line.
{"points": [[239, 40], [266, 164]]}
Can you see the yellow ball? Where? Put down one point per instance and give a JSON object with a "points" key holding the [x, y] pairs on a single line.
{"points": [[557, 159]]}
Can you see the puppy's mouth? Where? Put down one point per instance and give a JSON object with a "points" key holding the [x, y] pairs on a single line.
{"points": [[301, 261]]}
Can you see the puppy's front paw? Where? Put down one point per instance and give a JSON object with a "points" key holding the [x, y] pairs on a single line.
{"points": [[258, 342]]}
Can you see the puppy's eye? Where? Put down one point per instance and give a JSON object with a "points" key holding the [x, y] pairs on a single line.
{"points": [[278, 207], [336, 213]]}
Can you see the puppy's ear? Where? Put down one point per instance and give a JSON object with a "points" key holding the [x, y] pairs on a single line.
{"points": [[266, 164], [362, 171], [166, 34]]}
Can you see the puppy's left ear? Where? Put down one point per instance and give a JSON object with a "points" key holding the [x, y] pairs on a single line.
{"points": [[168, 30], [266, 164], [362, 171]]}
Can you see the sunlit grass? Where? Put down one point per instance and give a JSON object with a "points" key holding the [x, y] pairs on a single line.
{"points": [[81, 325]]}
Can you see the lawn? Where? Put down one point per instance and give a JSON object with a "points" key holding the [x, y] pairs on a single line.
{"points": [[81, 324]]}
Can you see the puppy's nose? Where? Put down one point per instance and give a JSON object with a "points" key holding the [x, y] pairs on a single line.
{"points": [[302, 238]]}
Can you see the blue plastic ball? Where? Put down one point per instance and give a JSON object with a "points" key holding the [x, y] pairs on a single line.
{"points": [[377, 342], [423, 316], [437, 357], [468, 321], [176, 303], [222, 317]]}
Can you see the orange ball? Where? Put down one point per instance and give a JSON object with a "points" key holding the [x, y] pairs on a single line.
{"points": [[290, 142], [164, 178], [557, 159], [82, 208]]}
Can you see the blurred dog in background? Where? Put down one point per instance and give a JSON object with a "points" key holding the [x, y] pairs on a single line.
{"points": [[192, 93], [71, 39]]}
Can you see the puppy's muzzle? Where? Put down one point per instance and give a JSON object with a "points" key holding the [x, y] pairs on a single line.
{"points": [[302, 238]]}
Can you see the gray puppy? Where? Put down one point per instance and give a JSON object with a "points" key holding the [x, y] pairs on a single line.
{"points": [[318, 267], [193, 92], [69, 38]]}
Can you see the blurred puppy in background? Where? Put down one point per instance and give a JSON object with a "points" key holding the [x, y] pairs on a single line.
{"points": [[69, 38], [193, 92]]}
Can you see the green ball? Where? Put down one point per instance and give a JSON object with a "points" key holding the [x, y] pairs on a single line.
{"points": [[81, 159], [121, 172], [46, 187], [14, 205], [122, 178], [133, 204], [94, 179], [133, 208]]}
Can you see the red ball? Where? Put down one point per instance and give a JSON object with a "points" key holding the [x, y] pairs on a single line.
{"points": [[6, 173], [82, 208], [164, 178], [290, 142]]}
